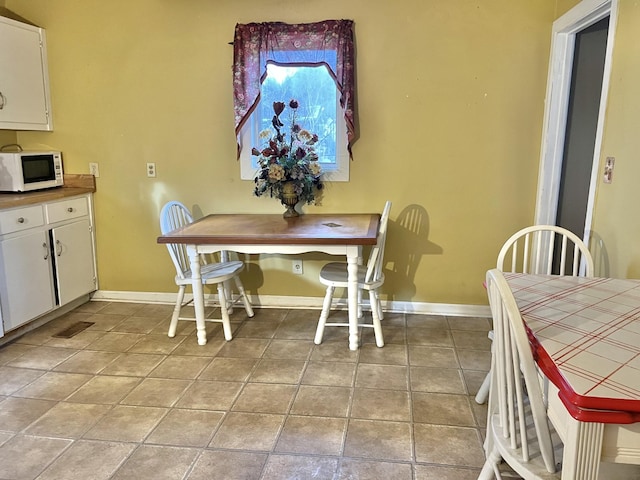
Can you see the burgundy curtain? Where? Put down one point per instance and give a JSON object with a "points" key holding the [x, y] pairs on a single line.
{"points": [[304, 44]]}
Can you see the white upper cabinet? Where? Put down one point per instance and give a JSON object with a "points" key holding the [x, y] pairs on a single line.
{"points": [[25, 102]]}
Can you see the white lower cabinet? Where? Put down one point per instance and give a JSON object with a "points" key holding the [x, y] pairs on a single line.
{"points": [[26, 289], [48, 258], [73, 252]]}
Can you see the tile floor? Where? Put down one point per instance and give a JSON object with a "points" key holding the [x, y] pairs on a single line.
{"points": [[121, 400]]}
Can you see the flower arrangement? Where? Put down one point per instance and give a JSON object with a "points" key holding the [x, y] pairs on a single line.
{"points": [[288, 162]]}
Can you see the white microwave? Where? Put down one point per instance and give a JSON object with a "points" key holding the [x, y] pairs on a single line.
{"points": [[27, 171]]}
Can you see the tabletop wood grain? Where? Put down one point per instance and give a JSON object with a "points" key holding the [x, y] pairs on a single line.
{"points": [[273, 229]]}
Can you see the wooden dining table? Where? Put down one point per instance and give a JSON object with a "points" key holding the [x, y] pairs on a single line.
{"points": [[585, 335], [334, 234]]}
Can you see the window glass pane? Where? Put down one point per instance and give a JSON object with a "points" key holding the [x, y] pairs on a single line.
{"points": [[319, 112], [316, 93]]}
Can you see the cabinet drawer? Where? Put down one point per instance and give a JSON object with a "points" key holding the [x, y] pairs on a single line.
{"points": [[20, 219], [67, 209]]}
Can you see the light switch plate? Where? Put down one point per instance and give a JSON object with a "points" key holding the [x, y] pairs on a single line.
{"points": [[608, 169]]}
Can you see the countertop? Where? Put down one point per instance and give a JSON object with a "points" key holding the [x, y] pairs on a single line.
{"points": [[73, 185]]}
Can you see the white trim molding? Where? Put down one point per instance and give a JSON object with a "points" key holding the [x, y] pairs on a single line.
{"points": [[315, 303]]}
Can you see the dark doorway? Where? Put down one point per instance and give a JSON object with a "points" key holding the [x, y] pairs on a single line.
{"points": [[582, 121]]}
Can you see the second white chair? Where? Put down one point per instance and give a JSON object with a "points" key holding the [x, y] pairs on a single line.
{"points": [[173, 216], [518, 429], [370, 278], [533, 250]]}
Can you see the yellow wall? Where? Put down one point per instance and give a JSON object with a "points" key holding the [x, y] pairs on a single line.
{"points": [[450, 101], [7, 137], [563, 6]]}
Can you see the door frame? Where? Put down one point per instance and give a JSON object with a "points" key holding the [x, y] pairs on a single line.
{"points": [[564, 31]]}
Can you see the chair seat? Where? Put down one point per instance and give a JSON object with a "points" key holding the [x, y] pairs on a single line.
{"points": [[535, 466], [214, 272], [334, 274]]}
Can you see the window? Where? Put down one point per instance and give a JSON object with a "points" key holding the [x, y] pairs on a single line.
{"points": [[319, 112], [312, 63]]}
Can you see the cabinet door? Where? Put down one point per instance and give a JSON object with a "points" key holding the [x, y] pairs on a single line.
{"points": [[24, 80], [74, 266], [26, 290]]}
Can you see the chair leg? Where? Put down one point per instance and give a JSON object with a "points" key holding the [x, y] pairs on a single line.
{"points": [[176, 312], [326, 307], [226, 323], [376, 315], [245, 299], [224, 257], [228, 295], [483, 392], [490, 468], [380, 312]]}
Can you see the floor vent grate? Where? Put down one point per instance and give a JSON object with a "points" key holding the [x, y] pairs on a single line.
{"points": [[72, 330]]}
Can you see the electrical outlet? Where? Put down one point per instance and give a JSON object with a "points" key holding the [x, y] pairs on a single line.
{"points": [[151, 169], [608, 169], [93, 169], [297, 267]]}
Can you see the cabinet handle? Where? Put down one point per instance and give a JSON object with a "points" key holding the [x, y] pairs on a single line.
{"points": [[21, 220], [46, 250], [70, 209], [58, 248], [3, 101]]}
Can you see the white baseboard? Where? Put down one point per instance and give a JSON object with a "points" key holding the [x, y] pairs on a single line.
{"points": [[274, 301]]}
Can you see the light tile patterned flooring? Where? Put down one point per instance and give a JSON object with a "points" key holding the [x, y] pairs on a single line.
{"points": [[121, 400]]}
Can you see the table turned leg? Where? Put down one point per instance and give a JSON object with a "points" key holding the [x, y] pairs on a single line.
{"points": [[582, 450], [352, 294], [198, 295]]}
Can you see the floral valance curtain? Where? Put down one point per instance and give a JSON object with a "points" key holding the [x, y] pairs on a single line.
{"points": [[327, 43]]}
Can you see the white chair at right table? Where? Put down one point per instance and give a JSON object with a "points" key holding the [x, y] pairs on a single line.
{"points": [[370, 277], [518, 429], [531, 250]]}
